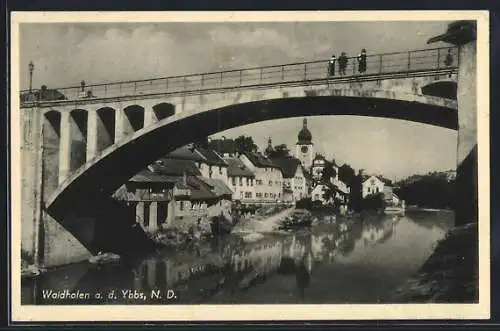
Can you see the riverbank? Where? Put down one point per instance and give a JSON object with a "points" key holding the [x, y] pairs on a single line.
{"points": [[450, 274], [179, 238]]}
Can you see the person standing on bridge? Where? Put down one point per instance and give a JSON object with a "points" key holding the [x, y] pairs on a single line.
{"points": [[448, 61], [362, 61], [331, 65], [342, 63]]}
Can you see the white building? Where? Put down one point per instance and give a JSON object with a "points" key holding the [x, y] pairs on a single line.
{"points": [[294, 180], [241, 180], [372, 185], [268, 177]]}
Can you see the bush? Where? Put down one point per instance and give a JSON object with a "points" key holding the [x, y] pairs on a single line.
{"points": [[305, 203], [374, 202]]}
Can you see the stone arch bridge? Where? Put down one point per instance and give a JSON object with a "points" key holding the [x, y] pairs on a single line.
{"points": [[77, 151]]}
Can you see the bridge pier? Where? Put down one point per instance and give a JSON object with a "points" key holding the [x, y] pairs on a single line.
{"points": [[463, 34], [92, 134], [150, 117], [65, 146], [466, 181], [153, 216]]}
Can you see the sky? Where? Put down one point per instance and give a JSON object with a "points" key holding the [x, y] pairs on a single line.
{"points": [[64, 54]]}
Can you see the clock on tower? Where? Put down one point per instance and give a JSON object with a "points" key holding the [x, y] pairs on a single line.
{"points": [[304, 146]]}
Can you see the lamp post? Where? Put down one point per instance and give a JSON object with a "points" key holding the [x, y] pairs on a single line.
{"points": [[31, 67]]}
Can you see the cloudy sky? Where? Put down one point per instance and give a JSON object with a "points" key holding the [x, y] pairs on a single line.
{"points": [[64, 54]]}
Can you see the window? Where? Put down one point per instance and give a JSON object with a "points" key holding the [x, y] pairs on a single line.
{"points": [[270, 183], [241, 194], [209, 171], [233, 180], [181, 205], [376, 190], [265, 195], [368, 190], [248, 181], [220, 170], [248, 195], [241, 181]]}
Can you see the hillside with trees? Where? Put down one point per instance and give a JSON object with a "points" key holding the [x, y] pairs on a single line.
{"points": [[432, 190]]}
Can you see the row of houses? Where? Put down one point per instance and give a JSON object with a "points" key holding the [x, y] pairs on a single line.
{"points": [[192, 184]]}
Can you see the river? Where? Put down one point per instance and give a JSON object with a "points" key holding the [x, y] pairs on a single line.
{"points": [[356, 261]]}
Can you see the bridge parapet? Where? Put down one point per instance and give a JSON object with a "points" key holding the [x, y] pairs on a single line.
{"points": [[379, 67]]}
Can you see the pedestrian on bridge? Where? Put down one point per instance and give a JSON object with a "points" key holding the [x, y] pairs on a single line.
{"points": [[362, 61], [331, 65], [342, 63], [448, 61]]}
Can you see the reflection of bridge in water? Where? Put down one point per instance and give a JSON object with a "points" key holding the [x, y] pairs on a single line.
{"points": [[243, 267]]}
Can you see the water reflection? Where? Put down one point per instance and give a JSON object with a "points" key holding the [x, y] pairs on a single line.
{"points": [[302, 266]]}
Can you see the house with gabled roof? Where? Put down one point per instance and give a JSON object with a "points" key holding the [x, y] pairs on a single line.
{"points": [[241, 180], [268, 177], [294, 180]]}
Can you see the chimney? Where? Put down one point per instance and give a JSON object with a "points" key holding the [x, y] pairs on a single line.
{"points": [[184, 178]]}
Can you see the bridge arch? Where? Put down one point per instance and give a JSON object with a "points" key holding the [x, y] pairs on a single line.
{"points": [[204, 119], [132, 119], [163, 110], [78, 133], [105, 129], [51, 143]]}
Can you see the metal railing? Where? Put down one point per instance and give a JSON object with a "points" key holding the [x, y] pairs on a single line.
{"points": [[377, 65]]}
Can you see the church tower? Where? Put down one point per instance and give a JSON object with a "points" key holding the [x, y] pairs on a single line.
{"points": [[304, 150]]}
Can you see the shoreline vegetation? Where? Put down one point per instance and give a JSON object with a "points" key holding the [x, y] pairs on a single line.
{"points": [[450, 274]]}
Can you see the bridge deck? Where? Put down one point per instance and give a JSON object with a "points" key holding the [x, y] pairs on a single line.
{"points": [[416, 63]]}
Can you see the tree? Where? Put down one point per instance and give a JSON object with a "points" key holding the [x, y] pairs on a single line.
{"points": [[245, 144], [328, 172], [279, 151], [374, 202], [330, 195], [432, 190], [347, 174], [356, 195]]}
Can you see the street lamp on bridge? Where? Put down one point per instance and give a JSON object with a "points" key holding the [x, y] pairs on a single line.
{"points": [[31, 67]]}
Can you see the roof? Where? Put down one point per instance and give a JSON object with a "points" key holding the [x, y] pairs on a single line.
{"points": [[260, 160], [175, 167], [217, 185], [199, 189], [148, 176], [288, 165], [381, 178], [223, 146], [186, 153], [319, 157], [211, 157], [237, 168]]}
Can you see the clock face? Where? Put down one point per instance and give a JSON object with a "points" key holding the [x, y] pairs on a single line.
{"points": [[304, 149]]}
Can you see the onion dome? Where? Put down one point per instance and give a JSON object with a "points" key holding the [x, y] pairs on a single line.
{"points": [[304, 136]]}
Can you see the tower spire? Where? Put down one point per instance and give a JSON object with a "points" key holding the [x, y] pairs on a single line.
{"points": [[305, 123], [269, 148]]}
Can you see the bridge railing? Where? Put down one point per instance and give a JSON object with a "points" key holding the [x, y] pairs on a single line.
{"points": [[378, 64]]}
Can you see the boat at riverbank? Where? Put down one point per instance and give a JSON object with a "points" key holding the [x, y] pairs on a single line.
{"points": [[394, 210]]}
